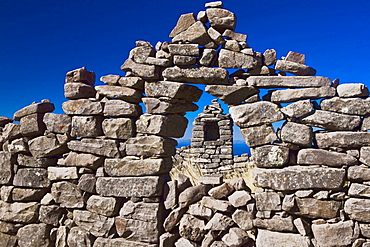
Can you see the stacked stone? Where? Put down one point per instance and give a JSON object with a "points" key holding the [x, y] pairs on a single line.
{"points": [[212, 213], [212, 142]]}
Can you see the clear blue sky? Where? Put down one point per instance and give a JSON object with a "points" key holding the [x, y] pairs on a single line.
{"points": [[41, 40]]}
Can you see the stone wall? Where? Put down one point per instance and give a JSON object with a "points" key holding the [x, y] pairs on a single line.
{"points": [[99, 175]]}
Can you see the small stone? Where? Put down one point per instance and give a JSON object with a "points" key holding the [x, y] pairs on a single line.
{"points": [[235, 36], [191, 228], [67, 195], [232, 45], [27, 194], [321, 195], [298, 109], [83, 160], [46, 146], [103, 147], [183, 23], [173, 90], [221, 19], [144, 71], [348, 90], [32, 177], [216, 36], [200, 211], [295, 57], [107, 206], [32, 125], [111, 80], [276, 223], [50, 214], [62, 173], [184, 49], [118, 128], [162, 125], [294, 68], [243, 219], [302, 226], [233, 59], [148, 146], [219, 222], [270, 156], [258, 135], [132, 82], [269, 238], [216, 4], [79, 237], [221, 191], [359, 190], [173, 218], [215, 204], [57, 123], [231, 94], [183, 242], [207, 57], [120, 108], [184, 60], [211, 179], [269, 57], [96, 224], [238, 184], [192, 194], [118, 92], [78, 90], [365, 155], [87, 183], [80, 75], [7, 161], [239, 198]]}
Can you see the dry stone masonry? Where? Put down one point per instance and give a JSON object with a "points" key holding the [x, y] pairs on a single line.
{"points": [[98, 175]]}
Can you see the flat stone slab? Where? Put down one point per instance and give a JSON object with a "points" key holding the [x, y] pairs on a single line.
{"points": [[173, 125], [82, 107], [314, 208], [353, 106], [300, 177], [258, 135], [149, 186], [344, 139], [231, 94], [358, 209], [117, 92], [141, 70], [102, 147], [331, 120], [288, 81], [157, 106], [120, 242], [98, 225], [294, 68], [197, 75], [148, 146], [120, 108], [32, 177], [19, 212], [337, 234], [290, 95], [174, 90], [312, 156], [270, 156], [233, 59], [33, 108], [277, 239]]}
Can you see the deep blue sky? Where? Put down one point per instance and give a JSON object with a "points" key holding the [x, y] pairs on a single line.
{"points": [[41, 40]]}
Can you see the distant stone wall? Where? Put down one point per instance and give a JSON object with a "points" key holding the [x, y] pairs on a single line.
{"points": [[99, 175]]}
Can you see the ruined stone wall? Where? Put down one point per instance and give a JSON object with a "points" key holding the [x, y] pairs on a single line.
{"points": [[99, 175]]}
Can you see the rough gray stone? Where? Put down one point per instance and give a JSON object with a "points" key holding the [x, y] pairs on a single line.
{"points": [[107, 148], [358, 173], [144, 71], [83, 160], [331, 120], [269, 57], [118, 92], [27, 194], [221, 19], [313, 208], [184, 60], [303, 227], [267, 201], [7, 161], [243, 219], [298, 109], [216, 36], [219, 222], [34, 235], [162, 125], [11, 131], [296, 133], [80, 75], [158, 106], [183, 242], [258, 113], [258, 135], [137, 230], [288, 81], [348, 90], [216, 204], [173, 218], [32, 125], [211, 179], [235, 237], [234, 59], [294, 68], [172, 90], [67, 195], [81, 107], [32, 109], [311, 156], [7, 240], [192, 228], [200, 211], [79, 237], [300, 177], [239, 198], [149, 186], [276, 223], [216, 4], [151, 212], [359, 190], [337, 234], [192, 194], [87, 183], [120, 108], [167, 239], [78, 90], [46, 146], [240, 37], [221, 191], [120, 242], [132, 82], [19, 212], [291, 95], [197, 75], [148, 146], [107, 206], [62, 173], [365, 155], [184, 49], [277, 239], [50, 214], [93, 223], [170, 194], [118, 128], [344, 139], [352, 106], [57, 123], [196, 33], [31, 177], [270, 156], [140, 54], [232, 94], [207, 57], [183, 23]]}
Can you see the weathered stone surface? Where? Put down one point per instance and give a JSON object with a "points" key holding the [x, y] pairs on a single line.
{"points": [[348, 90], [118, 128], [81, 107], [80, 75], [191, 228], [31, 177], [216, 204], [67, 195], [144, 71], [27, 194], [296, 133], [268, 201], [62, 173], [200, 211], [196, 33], [158, 106], [295, 57], [6, 193], [288, 81], [313, 208], [46, 146], [184, 60], [11, 131], [258, 113], [221, 191], [207, 57], [96, 224], [239, 198], [270, 156], [359, 190], [83, 160], [32, 125], [130, 167], [211, 179], [137, 230], [132, 82], [291, 95], [130, 186], [219, 222], [221, 19], [215, 4], [78, 90], [50, 214], [120, 108], [352, 106], [216, 36], [4, 121], [167, 239], [173, 218], [239, 37], [358, 173], [18, 146], [61, 236], [258, 135], [235, 237], [34, 235], [192, 194], [102, 147], [57, 123], [148, 146], [358, 209], [345, 139], [298, 109], [87, 183], [151, 212], [331, 120], [118, 92], [9, 228], [312, 156], [111, 80], [276, 223], [79, 237], [172, 90], [243, 219], [170, 194], [300, 177], [7, 161], [337, 234], [162, 125], [183, 242], [269, 57], [33, 108], [232, 94], [233, 59], [294, 68], [303, 227], [365, 155], [365, 123], [140, 54], [7, 240], [119, 242], [183, 23], [365, 230], [197, 75], [184, 49], [277, 239], [19, 212]]}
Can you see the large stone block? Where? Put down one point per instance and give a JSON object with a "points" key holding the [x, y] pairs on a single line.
{"points": [[42, 107], [87, 126], [57, 123], [79, 237], [288, 81], [196, 33], [78, 90], [184, 49], [94, 223], [294, 68], [296, 133], [232, 94], [32, 177], [27, 194], [358, 209], [277, 239], [119, 128], [11, 131], [120, 108], [141, 53], [298, 109], [130, 167], [117, 92], [331, 120], [82, 107], [311, 156], [258, 135], [158, 106], [144, 71], [359, 190], [34, 235], [62, 173], [7, 240], [192, 228], [132, 82], [67, 195], [32, 125], [268, 201], [197, 75], [83, 160], [19, 212], [193, 194], [80, 75], [337, 234], [234, 59], [130, 186], [258, 113], [300, 177], [7, 161], [270, 156], [173, 90], [148, 146], [138, 230], [352, 90], [276, 223], [120, 242], [221, 19], [291, 95], [358, 173], [46, 146], [183, 23], [344, 139], [162, 125], [103, 147], [314, 208], [352, 106], [50, 214]]}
